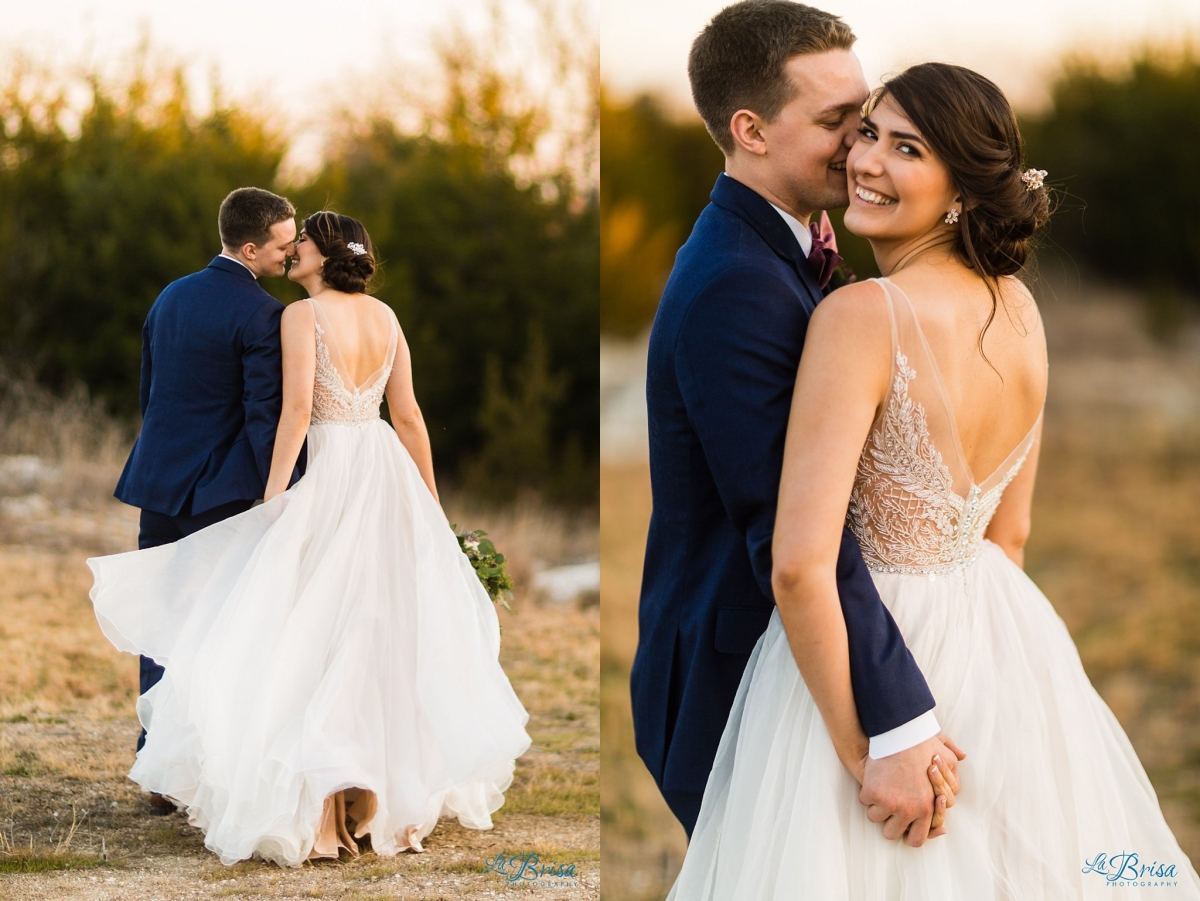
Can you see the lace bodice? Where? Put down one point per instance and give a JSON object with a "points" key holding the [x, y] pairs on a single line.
{"points": [[911, 512], [333, 401]]}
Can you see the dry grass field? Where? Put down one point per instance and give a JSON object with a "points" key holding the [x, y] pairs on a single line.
{"points": [[73, 827], [1116, 548]]}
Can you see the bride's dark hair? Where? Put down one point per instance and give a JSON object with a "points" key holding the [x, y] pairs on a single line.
{"points": [[343, 270], [969, 124]]}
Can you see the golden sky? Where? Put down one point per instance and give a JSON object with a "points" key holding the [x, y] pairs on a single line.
{"points": [[1014, 42]]}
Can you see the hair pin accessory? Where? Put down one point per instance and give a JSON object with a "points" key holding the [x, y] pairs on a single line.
{"points": [[1033, 178], [358, 249]]}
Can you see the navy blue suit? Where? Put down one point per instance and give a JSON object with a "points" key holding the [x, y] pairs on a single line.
{"points": [[724, 351], [211, 393]]}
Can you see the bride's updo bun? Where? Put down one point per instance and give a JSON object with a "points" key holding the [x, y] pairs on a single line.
{"points": [[344, 242], [969, 124]]}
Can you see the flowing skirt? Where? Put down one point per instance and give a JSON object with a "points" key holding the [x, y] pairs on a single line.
{"points": [[1054, 802], [333, 638]]}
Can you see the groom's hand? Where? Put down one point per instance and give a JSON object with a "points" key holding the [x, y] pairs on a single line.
{"points": [[898, 792]]}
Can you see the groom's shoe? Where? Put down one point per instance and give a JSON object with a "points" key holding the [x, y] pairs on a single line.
{"points": [[160, 806]]}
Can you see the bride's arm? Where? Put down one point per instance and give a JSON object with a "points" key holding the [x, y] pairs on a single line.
{"points": [[296, 332], [406, 415], [1010, 525], [842, 380]]}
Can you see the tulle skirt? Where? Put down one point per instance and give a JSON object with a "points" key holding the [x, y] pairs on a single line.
{"points": [[333, 638], [1054, 802]]}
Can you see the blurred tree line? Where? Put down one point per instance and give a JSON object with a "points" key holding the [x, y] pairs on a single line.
{"points": [[489, 254], [1120, 147]]}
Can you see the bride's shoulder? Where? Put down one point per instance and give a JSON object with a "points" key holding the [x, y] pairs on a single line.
{"points": [[860, 308], [300, 312], [851, 331]]}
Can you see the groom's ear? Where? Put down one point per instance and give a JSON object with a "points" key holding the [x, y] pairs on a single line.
{"points": [[746, 127], [249, 251]]}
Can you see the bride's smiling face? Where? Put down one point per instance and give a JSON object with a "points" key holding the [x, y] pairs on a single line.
{"points": [[307, 260], [899, 190]]}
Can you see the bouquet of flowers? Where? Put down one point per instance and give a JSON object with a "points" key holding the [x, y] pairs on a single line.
{"points": [[488, 564]]}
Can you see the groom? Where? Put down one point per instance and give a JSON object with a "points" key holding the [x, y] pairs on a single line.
{"points": [[211, 387], [780, 92]]}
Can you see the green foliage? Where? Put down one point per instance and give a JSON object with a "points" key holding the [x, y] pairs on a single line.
{"points": [[21, 861], [656, 174], [488, 564], [515, 422], [1120, 149], [98, 222]]}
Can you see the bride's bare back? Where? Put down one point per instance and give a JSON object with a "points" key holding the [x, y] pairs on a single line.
{"points": [[994, 396], [361, 329], [914, 339]]}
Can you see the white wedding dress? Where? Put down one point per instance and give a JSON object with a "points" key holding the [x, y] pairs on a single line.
{"points": [[328, 652], [1050, 780]]}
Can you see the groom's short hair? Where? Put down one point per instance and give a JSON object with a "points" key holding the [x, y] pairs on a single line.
{"points": [[738, 61], [247, 214]]}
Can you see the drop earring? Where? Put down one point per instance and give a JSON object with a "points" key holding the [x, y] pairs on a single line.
{"points": [[952, 216]]}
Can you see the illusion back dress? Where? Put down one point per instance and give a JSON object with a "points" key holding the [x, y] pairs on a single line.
{"points": [[1054, 802], [329, 652]]}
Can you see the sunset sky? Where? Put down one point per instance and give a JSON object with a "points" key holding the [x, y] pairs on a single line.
{"points": [[1014, 42], [282, 53], [294, 60]]}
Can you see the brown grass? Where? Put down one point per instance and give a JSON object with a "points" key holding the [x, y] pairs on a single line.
{"points": [[1116, 548]]}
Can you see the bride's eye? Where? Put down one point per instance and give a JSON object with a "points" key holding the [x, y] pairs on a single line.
{"points": [[909, 150], [866, 132]]}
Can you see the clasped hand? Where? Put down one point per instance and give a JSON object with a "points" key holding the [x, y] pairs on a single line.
{"points": [[910, 792]]}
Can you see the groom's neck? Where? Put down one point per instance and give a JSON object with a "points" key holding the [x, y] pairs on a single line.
{"points": [[766, 187], [226, 252]]}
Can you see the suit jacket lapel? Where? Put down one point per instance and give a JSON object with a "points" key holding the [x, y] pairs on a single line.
{"points": [[734, 196]]}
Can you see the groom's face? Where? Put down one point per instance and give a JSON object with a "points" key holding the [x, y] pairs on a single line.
{"points": [[270, 259], [809, 140]]}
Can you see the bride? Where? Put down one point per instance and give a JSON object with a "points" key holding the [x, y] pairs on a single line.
{"points": [[331, 658], [918, 408]]}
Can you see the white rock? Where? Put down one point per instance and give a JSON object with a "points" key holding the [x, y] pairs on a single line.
{"points": [[563, 584], [22, 473], [24, 507]]}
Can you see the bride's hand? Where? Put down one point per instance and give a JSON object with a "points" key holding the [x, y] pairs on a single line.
{"points": [[945, 787], [943, 800]]}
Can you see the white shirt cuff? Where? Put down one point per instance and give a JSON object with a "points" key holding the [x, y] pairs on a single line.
{"points": [[905, 736]]}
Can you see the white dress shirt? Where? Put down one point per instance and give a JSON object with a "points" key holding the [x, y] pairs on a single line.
{"points": [[799, 229], [925, 726]]}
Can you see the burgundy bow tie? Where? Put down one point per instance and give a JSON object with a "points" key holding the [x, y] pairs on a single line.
{"points": [[823, 258]]}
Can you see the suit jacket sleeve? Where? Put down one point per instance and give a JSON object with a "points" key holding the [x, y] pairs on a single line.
{"points": [[736, 366], [147, 369], [262, 379]]}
